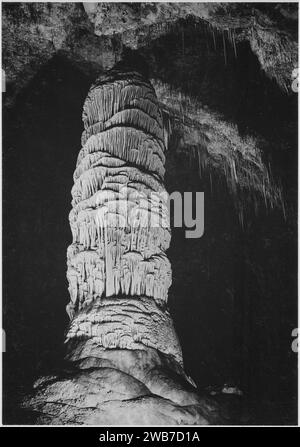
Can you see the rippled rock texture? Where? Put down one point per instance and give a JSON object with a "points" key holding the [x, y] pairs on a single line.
{"points": [[126, 360]]}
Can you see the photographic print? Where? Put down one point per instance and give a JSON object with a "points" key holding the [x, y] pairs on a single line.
{"points": [[149, 215]]}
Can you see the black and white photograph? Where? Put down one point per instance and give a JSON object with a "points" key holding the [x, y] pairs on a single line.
{"points": [[149, 217]]}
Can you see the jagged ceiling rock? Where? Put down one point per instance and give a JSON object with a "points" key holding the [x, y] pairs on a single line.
{"points": [[32, 33], [93, 36], [270, 29]]}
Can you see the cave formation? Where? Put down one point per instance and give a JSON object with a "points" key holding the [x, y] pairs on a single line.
{"points": [[218, 124], [126, 360]]}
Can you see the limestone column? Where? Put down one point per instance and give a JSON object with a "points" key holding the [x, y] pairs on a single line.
{"points": [[124, 359]]}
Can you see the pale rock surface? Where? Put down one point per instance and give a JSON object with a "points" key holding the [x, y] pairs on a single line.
{"points": [[124, 357]]}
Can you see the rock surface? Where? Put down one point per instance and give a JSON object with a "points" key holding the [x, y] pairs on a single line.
{"points": [[127, 365], [95, 36], [92, 34], [120, 387]]}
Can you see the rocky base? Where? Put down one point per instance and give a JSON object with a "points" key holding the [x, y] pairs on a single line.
{"points": [[120, 387]]}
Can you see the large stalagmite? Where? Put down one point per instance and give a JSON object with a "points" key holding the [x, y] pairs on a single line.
{"points": [[124, 360]]}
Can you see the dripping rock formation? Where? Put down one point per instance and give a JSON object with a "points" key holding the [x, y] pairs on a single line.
{"points": [[223, 75], [175, 38], [124, 359], [92, 35]]}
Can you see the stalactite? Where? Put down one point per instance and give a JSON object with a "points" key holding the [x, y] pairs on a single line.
{"points": [[224, 48], [239, 159]]}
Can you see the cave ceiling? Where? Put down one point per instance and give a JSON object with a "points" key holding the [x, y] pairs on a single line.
{"points": [[196, 56]]}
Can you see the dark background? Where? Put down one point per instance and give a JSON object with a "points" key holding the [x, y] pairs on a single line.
{"points": [[234, 292]]}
